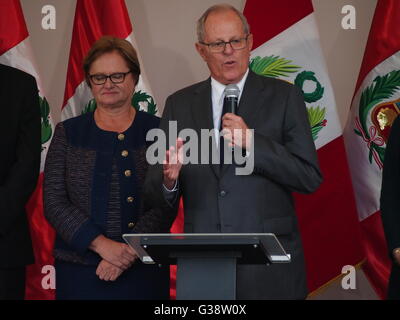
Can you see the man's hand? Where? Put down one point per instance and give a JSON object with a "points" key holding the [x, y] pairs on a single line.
{"points": [[236, 131], [172, 164], [396, 255], [107, 271], [117, 253]]}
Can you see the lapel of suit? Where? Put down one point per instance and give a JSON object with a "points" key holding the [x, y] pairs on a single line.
{"points": [[250, 102], [251, 99], [203, 115]]}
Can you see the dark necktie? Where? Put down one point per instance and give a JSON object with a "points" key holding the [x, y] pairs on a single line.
{"points": [[225, 109]]}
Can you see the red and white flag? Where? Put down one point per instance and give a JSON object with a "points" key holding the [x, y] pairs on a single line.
{"points": [[375, 105], [287, 46], [94, 19], [15, 51]]}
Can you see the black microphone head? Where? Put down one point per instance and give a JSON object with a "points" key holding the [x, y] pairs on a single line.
{"points": [[231, 99], [232, 91]]}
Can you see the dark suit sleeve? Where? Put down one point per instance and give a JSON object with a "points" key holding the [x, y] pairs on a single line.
{"points": [[155, 219], [22, 177], [390, 201], [68, 220], [152, 218], [154, 190], [293, 163]]}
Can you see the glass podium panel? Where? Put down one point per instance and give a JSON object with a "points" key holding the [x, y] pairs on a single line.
{"points": [[247, 248]]}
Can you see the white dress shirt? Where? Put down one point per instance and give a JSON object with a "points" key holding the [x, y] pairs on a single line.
{"points": [[217, 98]]}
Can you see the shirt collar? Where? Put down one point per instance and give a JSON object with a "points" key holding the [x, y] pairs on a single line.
{"points": [[218, 88]]}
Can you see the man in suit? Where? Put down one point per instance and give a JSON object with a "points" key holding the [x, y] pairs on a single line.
{"points": [[20, 146], [390, 206], [215, 198]]}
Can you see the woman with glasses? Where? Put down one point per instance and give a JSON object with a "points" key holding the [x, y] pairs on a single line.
{"points": [[94, 176]]}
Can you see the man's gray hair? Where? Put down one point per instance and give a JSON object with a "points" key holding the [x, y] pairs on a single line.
{"points": [[219, 8]]}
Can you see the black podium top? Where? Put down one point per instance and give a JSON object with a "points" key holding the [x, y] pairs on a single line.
{"points": [[251, 248]]}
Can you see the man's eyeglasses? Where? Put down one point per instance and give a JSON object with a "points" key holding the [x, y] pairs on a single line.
{"points": [[219, 46], [116, 78]]}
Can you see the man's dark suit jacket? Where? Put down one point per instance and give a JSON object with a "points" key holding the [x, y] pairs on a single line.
{"points": [[20, 147], [390, 205], [220, 201]]}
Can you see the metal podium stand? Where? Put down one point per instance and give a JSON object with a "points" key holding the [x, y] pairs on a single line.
{"points": [[207, 262]]}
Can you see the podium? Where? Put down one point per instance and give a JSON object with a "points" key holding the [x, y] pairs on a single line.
{"points": [[207, 262]]}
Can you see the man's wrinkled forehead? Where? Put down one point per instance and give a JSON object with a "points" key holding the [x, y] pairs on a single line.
{"points": [[223, 23]]}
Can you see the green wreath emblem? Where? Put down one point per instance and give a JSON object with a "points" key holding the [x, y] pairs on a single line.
{"points": [[46, 130], [146, 99], [382, 87], [312, 96], [316, 117], [272, 66], [140, 101], [275, 66]]}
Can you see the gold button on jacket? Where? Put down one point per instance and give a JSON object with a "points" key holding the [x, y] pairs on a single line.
{"points": [[124, 153], [128, 173]]}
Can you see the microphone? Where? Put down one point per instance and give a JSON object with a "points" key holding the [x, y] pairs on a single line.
{"points": [[231, 98]]}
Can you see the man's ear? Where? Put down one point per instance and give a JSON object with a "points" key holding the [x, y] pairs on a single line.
{"points": [[250, 41], [201, 50]]}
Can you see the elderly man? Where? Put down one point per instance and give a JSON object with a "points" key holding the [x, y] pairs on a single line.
{"points": [[217, 199]]}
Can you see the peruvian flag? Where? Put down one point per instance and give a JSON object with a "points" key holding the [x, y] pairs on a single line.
{"points": [[177, 227], [287, 46], [375, 105], [15, 51]]}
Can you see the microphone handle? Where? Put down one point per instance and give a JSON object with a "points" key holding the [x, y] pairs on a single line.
{"points": [[232, 104]]}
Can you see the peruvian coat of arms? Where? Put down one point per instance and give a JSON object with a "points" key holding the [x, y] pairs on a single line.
{"points": [[378, 108]]}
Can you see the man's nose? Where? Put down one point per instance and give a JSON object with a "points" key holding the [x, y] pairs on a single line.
{"points": [[228, 48]]}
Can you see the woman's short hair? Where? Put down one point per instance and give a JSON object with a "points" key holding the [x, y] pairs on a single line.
{"points": [[108, 44], [219, 8]]}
